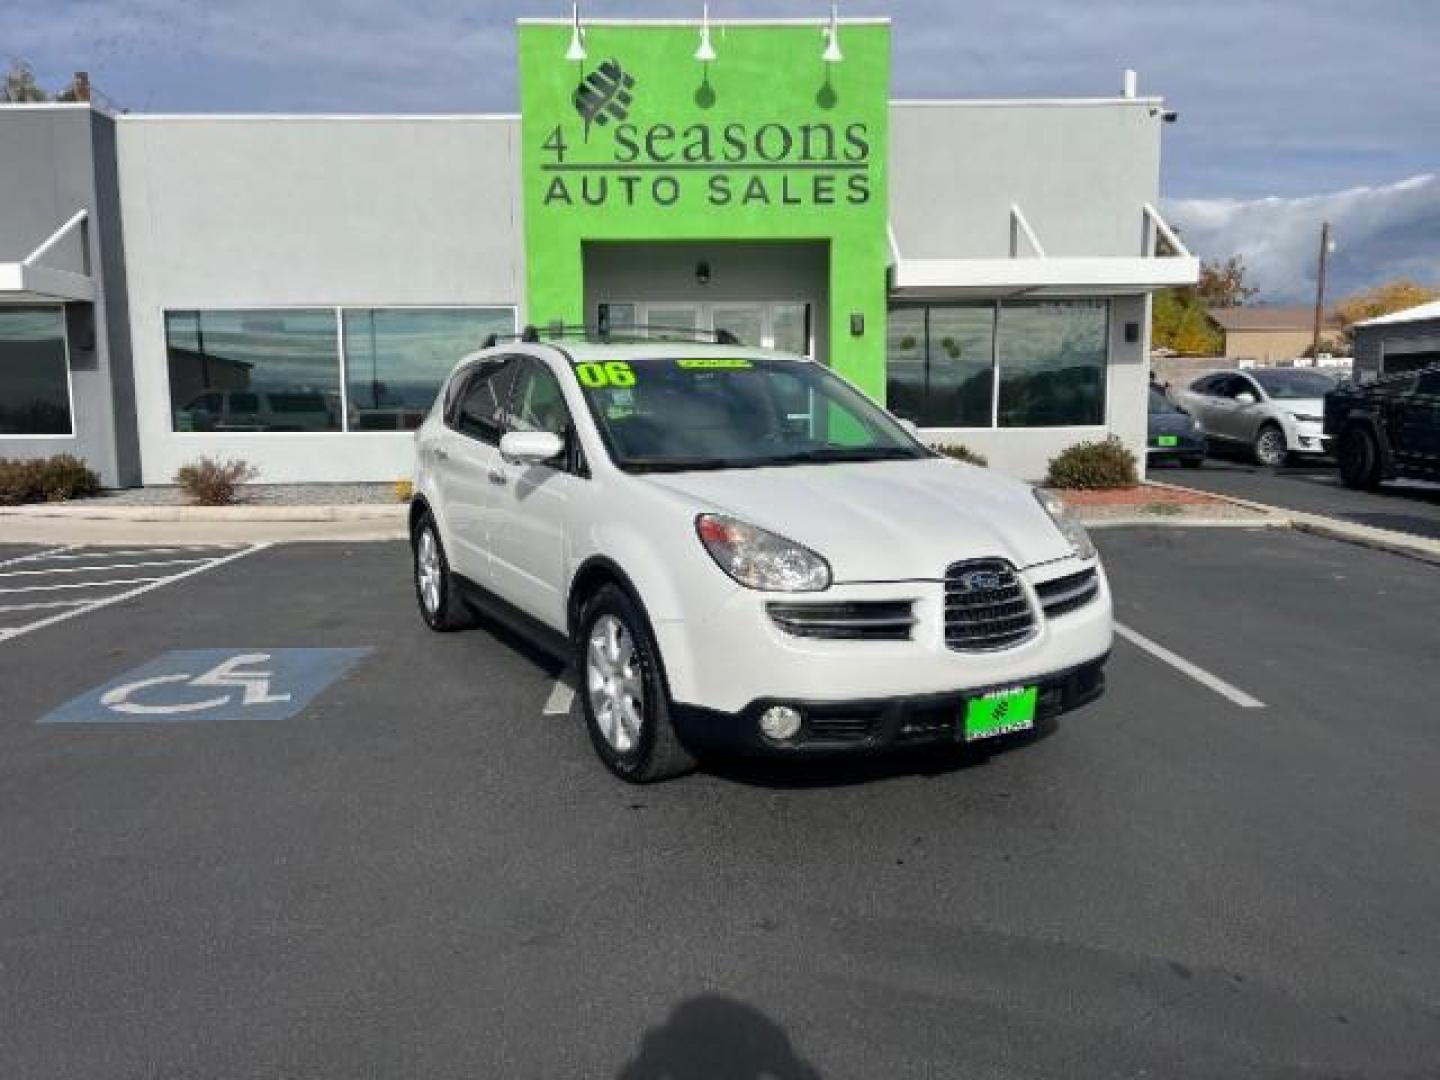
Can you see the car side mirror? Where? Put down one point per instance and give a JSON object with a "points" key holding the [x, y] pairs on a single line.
{"points": [[1245, 397], [531, 447]]}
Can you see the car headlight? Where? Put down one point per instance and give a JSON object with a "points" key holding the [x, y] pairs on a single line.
{"points": [[1195, 427], [759, 559], [1066, 522]]}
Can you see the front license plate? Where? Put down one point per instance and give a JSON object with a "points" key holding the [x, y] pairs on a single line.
{"points": [[1167, 440], [1001, 712]]}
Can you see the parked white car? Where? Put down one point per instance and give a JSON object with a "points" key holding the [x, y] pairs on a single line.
{"points": [[1272, 412], [741, 551]]}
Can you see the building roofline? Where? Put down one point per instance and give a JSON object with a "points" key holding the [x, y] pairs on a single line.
{"points": [[878, 20], [393, 118], [1012, 103]]}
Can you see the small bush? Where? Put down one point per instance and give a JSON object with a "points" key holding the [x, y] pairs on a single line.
{"points": [[404, 490], [52, 479], [213, 482], [1094, 466], [962, 453]]}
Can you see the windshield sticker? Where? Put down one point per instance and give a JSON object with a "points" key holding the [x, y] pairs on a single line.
{"points": [[614, 373], [719, 364]]}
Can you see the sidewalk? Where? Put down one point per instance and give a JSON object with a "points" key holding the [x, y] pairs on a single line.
{"points": [[102, 522]]}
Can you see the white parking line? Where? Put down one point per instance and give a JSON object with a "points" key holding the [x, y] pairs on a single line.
{"points": [[562, 696], [50, 553], [11, 633], [80, 585], [94, 569], [1185, 667]]}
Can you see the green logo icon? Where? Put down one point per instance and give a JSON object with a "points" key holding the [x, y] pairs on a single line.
{"points": [[604, 95]]}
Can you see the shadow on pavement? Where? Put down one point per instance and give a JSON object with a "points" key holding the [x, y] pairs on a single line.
{"points": [[712, 1037]]}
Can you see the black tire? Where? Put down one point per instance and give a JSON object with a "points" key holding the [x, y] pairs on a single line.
{"points": [[1263, 449], [1358, 456], [657, 753], [446, 611]]}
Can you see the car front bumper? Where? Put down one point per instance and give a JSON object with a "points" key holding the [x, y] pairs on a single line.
{"points": [[876, 725], [728, 666]]}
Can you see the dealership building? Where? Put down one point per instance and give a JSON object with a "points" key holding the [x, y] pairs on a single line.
{"points": [[291, 289]]}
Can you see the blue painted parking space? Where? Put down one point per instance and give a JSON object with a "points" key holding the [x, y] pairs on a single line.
{"points": [[211, 685]]}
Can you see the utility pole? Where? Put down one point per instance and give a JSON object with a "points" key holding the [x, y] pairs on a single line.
{"points": [[1320, 290]]}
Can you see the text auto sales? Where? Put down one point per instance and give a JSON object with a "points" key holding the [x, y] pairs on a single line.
{"points": [[731, 165]]}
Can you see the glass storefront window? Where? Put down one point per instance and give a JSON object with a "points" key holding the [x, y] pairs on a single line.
{"points": [[1049, 358], [396, 359], [262, 370], [34, 380], [1052, 363]]}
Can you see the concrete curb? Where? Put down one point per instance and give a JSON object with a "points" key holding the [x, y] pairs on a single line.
{"points": [[83, 511], [1130, 521], [1397, 543]]}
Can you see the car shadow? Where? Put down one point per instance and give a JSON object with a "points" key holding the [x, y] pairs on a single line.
{"points": [[714, 1037]]}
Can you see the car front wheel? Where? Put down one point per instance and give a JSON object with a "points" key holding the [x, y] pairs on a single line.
{"points": [[1359, 459], [1270, 448], [441, 605], [627, 709]]}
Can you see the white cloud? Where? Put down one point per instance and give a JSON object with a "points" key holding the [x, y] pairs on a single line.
{"points": [[1380, 233]]}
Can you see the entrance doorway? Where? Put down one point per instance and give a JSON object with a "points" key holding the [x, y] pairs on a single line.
{"points": [[786, 325]]}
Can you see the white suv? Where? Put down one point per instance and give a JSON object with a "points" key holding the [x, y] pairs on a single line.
{"points": [[741, 551]]}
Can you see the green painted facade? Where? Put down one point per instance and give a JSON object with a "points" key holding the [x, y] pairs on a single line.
{"points": [[641, 142]]}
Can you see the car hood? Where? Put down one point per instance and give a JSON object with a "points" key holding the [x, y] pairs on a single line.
{"points": [[883, 520], [1172, 423], [1303, 406]]}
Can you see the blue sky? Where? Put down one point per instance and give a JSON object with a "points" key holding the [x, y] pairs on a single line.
{"points": [[1289, 111]]}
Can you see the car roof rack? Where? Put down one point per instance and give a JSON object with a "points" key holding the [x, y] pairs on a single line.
{"points": [[629, 335]]}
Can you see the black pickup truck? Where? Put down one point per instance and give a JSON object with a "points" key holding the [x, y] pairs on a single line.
{"points": [[1386, 429]]}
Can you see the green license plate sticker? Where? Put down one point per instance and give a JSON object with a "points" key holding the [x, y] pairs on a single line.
{"points": [[1168, 440], [1001, 712]]}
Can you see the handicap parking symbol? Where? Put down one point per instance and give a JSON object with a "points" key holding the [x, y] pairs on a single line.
{"points": [[212, 684]]}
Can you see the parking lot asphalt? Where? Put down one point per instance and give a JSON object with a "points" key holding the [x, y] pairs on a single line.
{"points": [[1408, 506], [419, 874]]}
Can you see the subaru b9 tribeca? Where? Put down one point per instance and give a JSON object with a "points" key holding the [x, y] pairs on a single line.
{"points": [[742, 552]]}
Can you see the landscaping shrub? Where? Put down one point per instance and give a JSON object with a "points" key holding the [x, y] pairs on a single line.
{"points": [[1094, 466], [213, 482], [963, 453], [52, 479]]}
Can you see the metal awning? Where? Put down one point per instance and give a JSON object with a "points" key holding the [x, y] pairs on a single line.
{"points": [[1031, 272], [30, 280]]}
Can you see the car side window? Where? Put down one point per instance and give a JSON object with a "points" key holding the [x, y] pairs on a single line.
{"points": [[538, 403], [481, 411]]}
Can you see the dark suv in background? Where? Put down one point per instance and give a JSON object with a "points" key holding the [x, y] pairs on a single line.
{"points": [[1386, 429]]}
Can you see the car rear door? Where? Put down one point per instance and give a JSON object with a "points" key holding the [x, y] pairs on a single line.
{"points": [[467, 458], [1229, 419], [1413, 416], [532, 502]]}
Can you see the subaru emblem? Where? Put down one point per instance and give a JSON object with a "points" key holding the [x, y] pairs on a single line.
{"points": [[980, 581]]}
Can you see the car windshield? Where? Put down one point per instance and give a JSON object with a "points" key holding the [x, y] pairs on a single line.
{"points": [[1159, 403], [735, 412], [1290, 383]]}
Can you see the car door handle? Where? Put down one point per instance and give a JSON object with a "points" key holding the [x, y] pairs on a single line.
{"points": [[497, 476]]}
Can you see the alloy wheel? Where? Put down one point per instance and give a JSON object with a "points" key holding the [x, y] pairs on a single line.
{"points": [[615, 683], [428, 572], [1270, 447]]}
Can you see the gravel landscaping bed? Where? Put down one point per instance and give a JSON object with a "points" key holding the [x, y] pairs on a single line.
{"points": [[262, 495]]}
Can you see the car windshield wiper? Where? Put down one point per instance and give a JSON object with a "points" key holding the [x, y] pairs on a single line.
{"points": [[679, 464], [843, 453]]}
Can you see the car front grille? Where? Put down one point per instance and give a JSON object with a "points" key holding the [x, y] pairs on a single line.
{"points": [[985, 607], [863, 620], [1067, 593]]}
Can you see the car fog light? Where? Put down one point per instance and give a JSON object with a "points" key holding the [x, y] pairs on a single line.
{"points": [[780, 722]]}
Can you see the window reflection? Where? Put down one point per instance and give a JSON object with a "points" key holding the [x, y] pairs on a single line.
{"points": [[396, 359], [1052, 363], [254, 370], [34, 383]]}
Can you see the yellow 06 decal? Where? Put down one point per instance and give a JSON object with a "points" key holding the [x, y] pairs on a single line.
{"points": [[614, 373]]}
